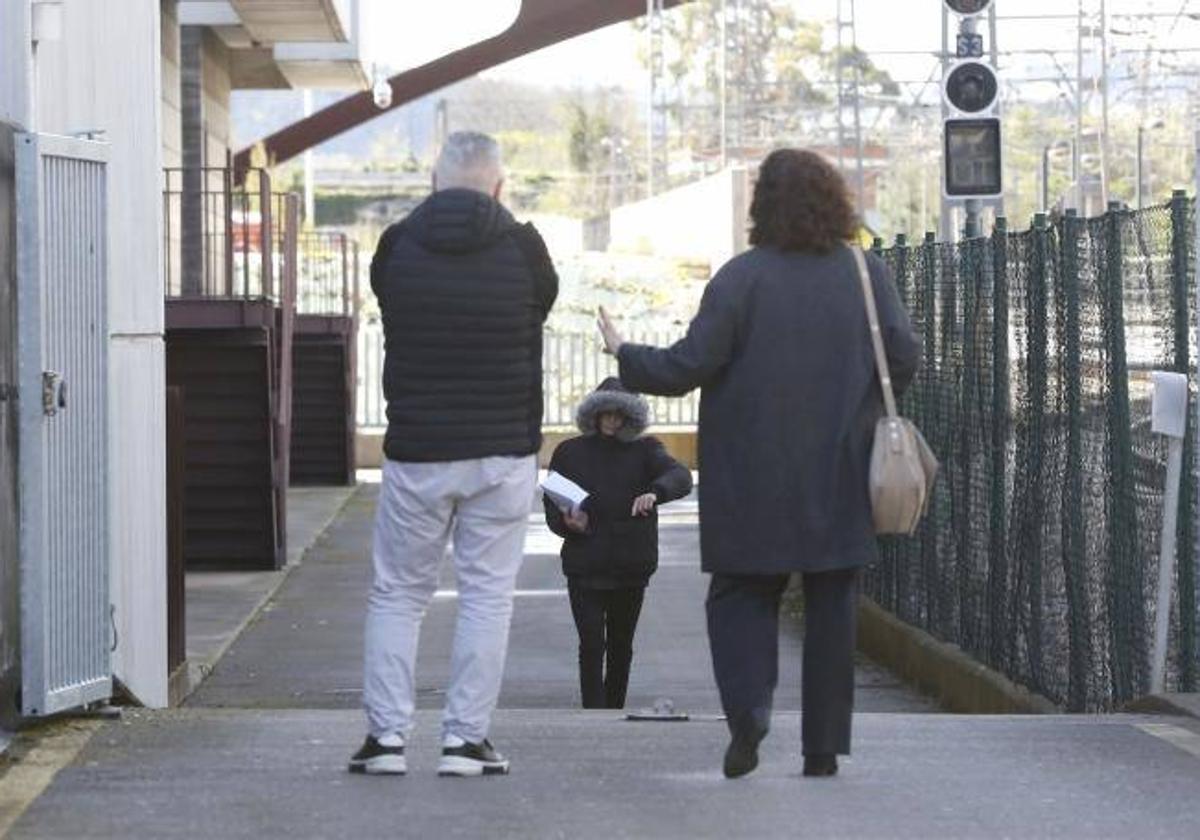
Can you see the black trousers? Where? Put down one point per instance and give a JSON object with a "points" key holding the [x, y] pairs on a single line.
{"points": [[743, 633], [606, 620]]}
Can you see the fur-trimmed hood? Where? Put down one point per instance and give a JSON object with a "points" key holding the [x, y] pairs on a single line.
{"points": [[611, 395]]}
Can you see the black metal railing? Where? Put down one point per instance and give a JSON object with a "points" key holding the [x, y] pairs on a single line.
{"points": [[328, 263], [221, 240]]}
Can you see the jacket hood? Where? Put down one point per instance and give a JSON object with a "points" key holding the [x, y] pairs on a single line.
{"points": [[459, 221], [611, 395]]}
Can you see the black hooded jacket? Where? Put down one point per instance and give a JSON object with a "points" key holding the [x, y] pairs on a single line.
{"points": [[619, 549], [464, 290]]}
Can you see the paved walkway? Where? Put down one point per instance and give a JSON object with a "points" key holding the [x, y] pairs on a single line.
{"points": [[220, 603], [280, 774], [305, 650], [260, 749]]}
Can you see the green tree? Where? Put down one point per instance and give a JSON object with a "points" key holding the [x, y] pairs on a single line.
{"points": [[586, 131], [779, 74]]}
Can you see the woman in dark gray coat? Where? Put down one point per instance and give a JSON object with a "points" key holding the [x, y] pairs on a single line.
{"points": [[781, 351]]}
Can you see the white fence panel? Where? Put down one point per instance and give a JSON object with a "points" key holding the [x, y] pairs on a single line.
{"points": [[572, 365]]}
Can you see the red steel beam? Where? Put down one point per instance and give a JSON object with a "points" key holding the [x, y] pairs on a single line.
{"points": [[539, 24]]}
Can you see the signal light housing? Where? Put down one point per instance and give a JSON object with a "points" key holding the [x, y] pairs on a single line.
{"points": [[972, 157], [971, 88], [968, 8]]}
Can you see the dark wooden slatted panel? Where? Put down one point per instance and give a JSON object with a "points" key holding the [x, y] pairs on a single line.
{"points": [[322, 428], [230, 505], [176, 594]]}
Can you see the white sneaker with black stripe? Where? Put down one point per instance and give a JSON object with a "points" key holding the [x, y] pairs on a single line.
{"points": [[462, 758], [383, 757]]}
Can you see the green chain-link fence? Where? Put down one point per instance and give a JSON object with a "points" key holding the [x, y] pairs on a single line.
{"points": [[1040, 552]]}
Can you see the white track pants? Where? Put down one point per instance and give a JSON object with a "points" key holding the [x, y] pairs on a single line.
{"points": [[485, 503]]}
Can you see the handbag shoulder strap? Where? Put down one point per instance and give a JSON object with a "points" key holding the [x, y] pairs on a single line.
{"points": [[885, 376]]}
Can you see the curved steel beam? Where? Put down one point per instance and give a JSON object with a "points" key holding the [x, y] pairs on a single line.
{"points": [[539, 24]]}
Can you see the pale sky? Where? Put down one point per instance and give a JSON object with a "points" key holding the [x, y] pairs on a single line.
{"points": [[403, 33]]}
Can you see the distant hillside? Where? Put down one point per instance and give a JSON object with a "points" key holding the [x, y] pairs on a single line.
{"points": [[259, 113], [491, 105]]}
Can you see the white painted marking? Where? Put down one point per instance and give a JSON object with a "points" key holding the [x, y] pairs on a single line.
{"points": [[1177, 736], [520, 593]]}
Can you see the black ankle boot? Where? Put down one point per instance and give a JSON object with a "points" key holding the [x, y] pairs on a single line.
{"points": [[820, 764], [741, 756]]}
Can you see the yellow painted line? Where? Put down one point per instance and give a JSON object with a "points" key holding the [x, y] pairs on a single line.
{"points": [[33, 772], [1184, 739]]}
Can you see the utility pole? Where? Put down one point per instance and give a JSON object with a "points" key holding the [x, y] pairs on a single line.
{"points": [[1045, 179], [309, 197], [946, 217], [849, 91], [736, 132], [441, 123], [994, 44], [971, 206], [1077, 153], [1104, 103], [722, 84], [1139, 200], [656, 122]]}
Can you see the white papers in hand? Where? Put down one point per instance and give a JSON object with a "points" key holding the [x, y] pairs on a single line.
{"points": [[563, 492]]}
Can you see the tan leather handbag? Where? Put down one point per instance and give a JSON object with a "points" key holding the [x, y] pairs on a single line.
{"points": [[903, 467]]}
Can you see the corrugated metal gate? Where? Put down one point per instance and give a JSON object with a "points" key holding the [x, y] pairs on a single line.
{"points": [[66, 635]]}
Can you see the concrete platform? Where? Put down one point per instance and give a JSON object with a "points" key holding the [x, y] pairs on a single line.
{"points": [[221, 604], [304, 650], [267, 774]]}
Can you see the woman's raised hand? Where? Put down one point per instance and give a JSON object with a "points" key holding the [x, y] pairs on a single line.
{"points": [[612, 338]]}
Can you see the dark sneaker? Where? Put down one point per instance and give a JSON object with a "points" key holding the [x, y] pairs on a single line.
{"points": [[820, 764], [376, 759], [741, 757], [462, 758]]}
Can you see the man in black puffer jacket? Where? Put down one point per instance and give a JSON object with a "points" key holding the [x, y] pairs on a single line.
{"points": [[610, 547], [464, 291]]}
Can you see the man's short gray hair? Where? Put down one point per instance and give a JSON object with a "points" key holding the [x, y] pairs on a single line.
{"points": [[469, 160]]}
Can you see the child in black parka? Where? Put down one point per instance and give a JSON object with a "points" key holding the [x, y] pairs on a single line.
{"points": [[610, 547]]}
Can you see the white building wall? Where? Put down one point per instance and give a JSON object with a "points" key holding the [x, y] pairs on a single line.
{"points": [[172, 140], [217, 88], [705, 220], [16, 69], [105, 73]]}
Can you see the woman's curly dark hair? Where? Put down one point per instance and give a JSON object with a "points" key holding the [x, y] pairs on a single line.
{"points": [[801, 204]]}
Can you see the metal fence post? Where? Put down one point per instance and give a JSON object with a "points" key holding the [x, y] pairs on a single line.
{"points": [[997, 515], [1073, 545], [948, 431], [1168, 418], [901, 553], [1125, 594], [1181, 241], [1031, 535], [1193, 539], [227, 232], [929, 420], [346, 308], [266, 235]]}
